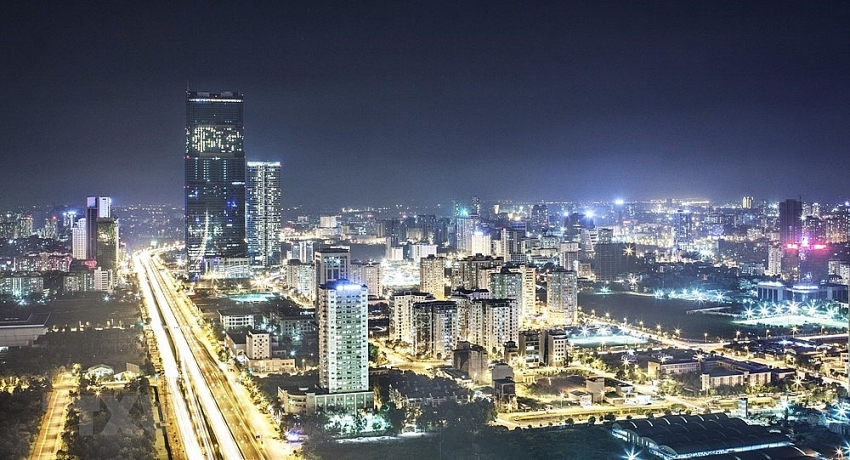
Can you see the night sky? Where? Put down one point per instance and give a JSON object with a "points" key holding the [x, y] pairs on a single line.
{"points": [[385, 102]]}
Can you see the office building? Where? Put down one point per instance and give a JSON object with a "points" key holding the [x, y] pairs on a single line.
{"points": [[97, 208], [530, 348], [475, 206], [471, 359], [556, 347], [107, 253], [790, 221], [215, 185], [258, 345], [262, 213]]}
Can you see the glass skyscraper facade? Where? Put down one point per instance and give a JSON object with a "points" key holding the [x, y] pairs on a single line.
{"points": [[263, 213], [215, 182]]}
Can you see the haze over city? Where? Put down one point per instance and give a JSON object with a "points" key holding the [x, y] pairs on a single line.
{"points": [[492, 230], [432, 101]]}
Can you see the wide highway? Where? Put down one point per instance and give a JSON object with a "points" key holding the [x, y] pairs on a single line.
{"points": [[240, 430], [206, 418], [188, 423]]}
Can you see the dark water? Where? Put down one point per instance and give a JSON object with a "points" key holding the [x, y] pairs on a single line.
{"points": [[669, 313]]}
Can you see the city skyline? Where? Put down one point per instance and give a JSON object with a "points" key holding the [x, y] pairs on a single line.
{"points": [[434, 102]]}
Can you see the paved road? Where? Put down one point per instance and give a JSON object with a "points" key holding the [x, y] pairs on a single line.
{"points": [[50, 435], [252, 431]]}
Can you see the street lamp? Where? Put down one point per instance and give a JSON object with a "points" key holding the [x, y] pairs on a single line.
{"points": [[705, 334]]}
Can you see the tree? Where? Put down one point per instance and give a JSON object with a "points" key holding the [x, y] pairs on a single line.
{"points": [[395, 417], [359, 423]]}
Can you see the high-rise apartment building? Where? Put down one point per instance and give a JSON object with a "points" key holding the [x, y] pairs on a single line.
{"points": [[466, 227], [562, 296], [368, 273], [332, 263], [302, 250], [215, 185], [469, 268], [683, 231], [481, 243], [343, 317], [301, 276], [435, 328], [401, 314], [432, 276], [418, 251], [510, 246], [79, 240], [518, 282], [539, 218], [262, 213], [490, 323], [507, 284]]}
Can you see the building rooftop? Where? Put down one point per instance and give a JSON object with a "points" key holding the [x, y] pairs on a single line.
{"points": [[34, 319], [686, 436], [235, 312]]}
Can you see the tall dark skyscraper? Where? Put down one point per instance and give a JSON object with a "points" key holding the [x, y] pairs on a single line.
{"points": [[98, 208], [215, 185], [790, 221]]}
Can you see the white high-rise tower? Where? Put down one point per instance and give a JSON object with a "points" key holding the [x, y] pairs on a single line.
{"points": [[343, 317], [262, 213]]}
